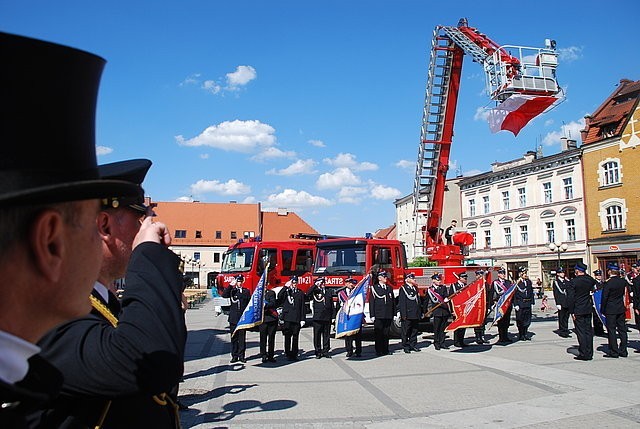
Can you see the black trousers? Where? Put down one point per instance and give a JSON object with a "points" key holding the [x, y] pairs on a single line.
{"points": [[458, 337], [439, 323], [381, 329], [617, 322], [584, 332], [321, 333], [238, 342], [291, 332], [503, 326], [350, 340], [523, 320], [598, 327], [563, 321], [409, 333], [268, 338]]}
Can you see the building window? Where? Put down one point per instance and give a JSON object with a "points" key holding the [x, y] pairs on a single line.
{"points": [[614, 217], [234, 235], [551, 232], [524, 235], [609, 172], [568, 188], [505, 200], [522, 197], [218, 235], [507, 236], [196, 256], [613, 214], [180, 233], [472, 207], [473, 234], [485, 204], [548, 197], [487, 239], [249, 234], [570, 225], [216, 257], [198, 234]]}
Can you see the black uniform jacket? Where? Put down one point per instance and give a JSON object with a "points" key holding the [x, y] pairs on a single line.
{"points": [[613, 296], [292, 303], [239, 297], [142, 357], [560, 291], [523, 295], [579, 300], [322, 301], [635, 288], [409, 302], [499, 287], [40, 385], [443, 291], [382, 303], [270, 306]]}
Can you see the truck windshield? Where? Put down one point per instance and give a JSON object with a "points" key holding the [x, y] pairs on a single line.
{"points": [[341, 260], [237, 260]]}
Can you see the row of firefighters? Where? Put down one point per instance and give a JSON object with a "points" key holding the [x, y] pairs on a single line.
{"points": [[573, 298]]}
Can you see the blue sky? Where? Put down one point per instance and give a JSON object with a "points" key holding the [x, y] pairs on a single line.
{"points": [[313, 105]]}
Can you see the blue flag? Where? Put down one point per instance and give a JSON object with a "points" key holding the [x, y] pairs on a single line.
{"points": [[503, 304], [351, 313], [253, 314], [597, 300]]}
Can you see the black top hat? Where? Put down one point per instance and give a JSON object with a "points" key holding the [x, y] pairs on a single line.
{"points": [[134, 171], [47, 124]]}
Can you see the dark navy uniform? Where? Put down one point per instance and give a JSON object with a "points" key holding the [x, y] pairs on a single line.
{"points": [[129, 366], [500, 286], [410, 307], [382, 306], [293, 313], [635, 298], [437, 295], [322, 301], [269, 327], [240, 297], [560, 296], [580, 304], [523, 300], [613, 308], [598, 327]]}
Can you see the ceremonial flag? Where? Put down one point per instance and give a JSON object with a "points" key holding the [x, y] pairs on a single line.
{"points": [[503, 304], [469, 306], [597, 300], [253, 314], [627, 304], [516, 111], [350, 315]]}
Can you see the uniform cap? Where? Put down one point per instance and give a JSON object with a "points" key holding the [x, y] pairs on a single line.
{"points": [[436, 276], [239, 278], [634, 265], [133, 171], [580, 267], [522, 269], [559, 270], [597, 273], [409, 276], [613, 266], [479, 272], [294, 278], [502, 271], [351, 280], [319, 281], [383, 274]]}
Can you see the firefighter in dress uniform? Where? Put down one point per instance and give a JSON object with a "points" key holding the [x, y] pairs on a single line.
{"points": [[523, 300], [580, 305], [500, 286], [598, 327], [382, 309], [322, 301], [269, 327], [635, 293], [293, 314], [349, 340], [458, 334], [410, 306], [239, 297], [612, 306], [438, 299], [479, 330], [560, 295]]}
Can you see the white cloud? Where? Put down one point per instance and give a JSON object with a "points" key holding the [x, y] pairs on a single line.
{"points": [[570, 130], [317, 143], [230, 187], [211, 86], [184, 199], [472, 173], [348, 160], [381, 192], [548, 122], [291, 198], [405, 164], [338, 178], [242, 76], [351, 194], [204, 156], [298, 167], [482, 114], [272, 153], [193, 79], [103, 150], [237, 136], [249, 200], [570, 54]]}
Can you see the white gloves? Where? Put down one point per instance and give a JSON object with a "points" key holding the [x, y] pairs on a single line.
{"points": [[559, 307], [446, 300], [373, 319], [288, 283], [517, 307], [302, 323]]}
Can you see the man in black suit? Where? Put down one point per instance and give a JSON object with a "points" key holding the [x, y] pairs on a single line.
{"points": [[322, 301], [269, 327], [50, 188], [410, 307], [382, 308], [580, 305], [458, 334], [523, 300], [613, 308], [293, 314], [111, 347], [239, 297], [560, 285], [438, 298]]}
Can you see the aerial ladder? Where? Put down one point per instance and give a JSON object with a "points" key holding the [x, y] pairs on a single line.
{"points": [[511, 72]]}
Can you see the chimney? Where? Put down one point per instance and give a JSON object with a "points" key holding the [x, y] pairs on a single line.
{"points": [[567, 144], [585, 130], [282, 211]]}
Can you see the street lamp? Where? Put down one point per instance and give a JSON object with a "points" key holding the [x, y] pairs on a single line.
{"points": [[558, 248]]}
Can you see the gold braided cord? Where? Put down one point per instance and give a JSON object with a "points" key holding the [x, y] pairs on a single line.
{"points": [[103, 310]]}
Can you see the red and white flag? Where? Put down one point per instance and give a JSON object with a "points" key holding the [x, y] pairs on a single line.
{"points": [[516, 111], [469, 306]]}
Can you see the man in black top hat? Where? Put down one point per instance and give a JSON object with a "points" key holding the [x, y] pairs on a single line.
{"points": [[410, 307], [293, 314], [580, 305], [322, 302], [560, 284], [239, 297], [612, 306], [382, 308], [49, 200]]}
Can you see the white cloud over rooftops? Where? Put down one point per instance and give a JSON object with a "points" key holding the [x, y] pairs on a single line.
{"points": [[338, 178], [348, 160], [295, 199], [236, 136], [301, 166], [230, 187]]}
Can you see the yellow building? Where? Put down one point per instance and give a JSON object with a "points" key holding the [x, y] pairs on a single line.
{"points": [[611, 171]]}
